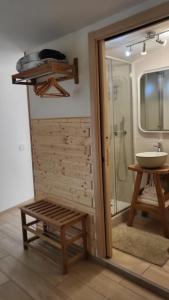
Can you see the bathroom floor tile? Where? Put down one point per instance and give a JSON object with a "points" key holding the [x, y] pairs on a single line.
{"points": [[130, 262], [157, 275]]}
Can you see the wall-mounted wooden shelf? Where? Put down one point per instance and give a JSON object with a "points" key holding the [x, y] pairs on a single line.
{"points": [[63, 71]]}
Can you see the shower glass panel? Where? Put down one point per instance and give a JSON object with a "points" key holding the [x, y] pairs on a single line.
{"points": [[121, 137]]}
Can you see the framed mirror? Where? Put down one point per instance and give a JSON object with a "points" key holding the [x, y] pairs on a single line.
{"points": [[154, 101]]}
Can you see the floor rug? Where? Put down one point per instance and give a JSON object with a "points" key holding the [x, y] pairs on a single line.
{"points": [[148, 246]]}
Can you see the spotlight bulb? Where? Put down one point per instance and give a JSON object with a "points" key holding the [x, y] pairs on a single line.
{"points": [[128, 52]]}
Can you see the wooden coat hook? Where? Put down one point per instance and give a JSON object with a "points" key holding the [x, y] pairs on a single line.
{"points": [[41, 89]]}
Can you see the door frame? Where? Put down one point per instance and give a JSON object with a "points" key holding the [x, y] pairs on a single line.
{"points": [[98, 97]]}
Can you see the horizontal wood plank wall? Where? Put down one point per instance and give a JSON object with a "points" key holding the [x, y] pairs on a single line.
{"points": [[62, 162]]}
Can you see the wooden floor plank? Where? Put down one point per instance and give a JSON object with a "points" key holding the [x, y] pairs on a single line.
{"points": [[29, 275], [10, 291], [3, 252], [29, 281], [76, 290], [3, 278], [87, 269], [139, 290], [106, 287], [43, 267]]}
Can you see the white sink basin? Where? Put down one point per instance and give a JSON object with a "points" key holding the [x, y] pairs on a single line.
{"points": [[151, 159]]}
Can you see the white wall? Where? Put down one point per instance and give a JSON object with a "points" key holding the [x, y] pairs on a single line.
{"points": [[152, 61], [15, 166], [78, 104], [76, 45]]}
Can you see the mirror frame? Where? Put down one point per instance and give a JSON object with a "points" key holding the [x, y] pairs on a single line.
{"points": [[139, 100]]}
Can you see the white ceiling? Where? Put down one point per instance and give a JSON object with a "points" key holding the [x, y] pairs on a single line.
{"points": [[30, 23], [117, 47]]}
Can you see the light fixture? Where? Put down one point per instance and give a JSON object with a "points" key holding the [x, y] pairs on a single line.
{"points": [[151, 35], [160, 41], [144, 52], [128, 52]]}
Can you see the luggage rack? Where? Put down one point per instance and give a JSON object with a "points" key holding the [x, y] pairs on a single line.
{"points": [[56, 225], [64, 71]]}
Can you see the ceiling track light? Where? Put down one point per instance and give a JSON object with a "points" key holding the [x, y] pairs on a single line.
{"points": [[144, 52], [149, 36]]}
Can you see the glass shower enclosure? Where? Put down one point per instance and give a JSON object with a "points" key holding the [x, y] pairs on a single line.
{"points": [[121, 134]]}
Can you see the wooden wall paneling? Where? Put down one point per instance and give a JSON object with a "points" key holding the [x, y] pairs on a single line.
{"points": [[62, 162]]}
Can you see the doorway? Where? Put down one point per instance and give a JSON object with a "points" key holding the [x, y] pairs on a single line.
{"points": [[103, 137]]}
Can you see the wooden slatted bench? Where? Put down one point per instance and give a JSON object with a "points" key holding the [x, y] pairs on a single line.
{"points": [[47, 214]]}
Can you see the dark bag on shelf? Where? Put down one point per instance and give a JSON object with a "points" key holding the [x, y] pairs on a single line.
{"points": [[49, 53]]}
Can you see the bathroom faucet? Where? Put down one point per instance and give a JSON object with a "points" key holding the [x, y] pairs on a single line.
{"points": [[158, 146]]}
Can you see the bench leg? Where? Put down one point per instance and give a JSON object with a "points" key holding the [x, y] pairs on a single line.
{"points": [[84, 232], [64, 251], [132, 210], [45, 228], [24, 231]]}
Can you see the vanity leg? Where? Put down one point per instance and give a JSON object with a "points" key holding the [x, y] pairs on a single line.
{"points": [[136, 193], [161, 203]]}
